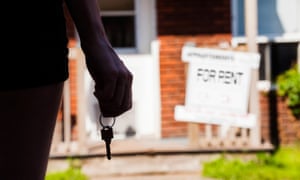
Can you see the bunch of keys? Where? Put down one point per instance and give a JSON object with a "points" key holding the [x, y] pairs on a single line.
{"points": [[107, 135]]}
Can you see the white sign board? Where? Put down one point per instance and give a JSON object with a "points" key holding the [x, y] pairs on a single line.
{"points": [[218, 82]]}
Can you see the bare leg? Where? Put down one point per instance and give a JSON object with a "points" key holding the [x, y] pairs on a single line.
{"points": [[27, 120]]}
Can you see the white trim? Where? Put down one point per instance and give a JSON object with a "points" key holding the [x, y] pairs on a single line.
{"points": [[264, 85], [288, 37], [128, 50], [146, 93], [145, 25], [117, 13], [268, 62], [155, 47]]}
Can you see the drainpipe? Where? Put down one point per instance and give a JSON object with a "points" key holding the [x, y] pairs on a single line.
{"points": [[298, 54]]}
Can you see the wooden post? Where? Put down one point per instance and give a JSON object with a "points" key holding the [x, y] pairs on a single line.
{"points": [[193, 128], [67, 113], [81, 101], [251, 34], [193, 134]]}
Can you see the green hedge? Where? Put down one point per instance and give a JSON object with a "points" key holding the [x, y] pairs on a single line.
{"points": [[283, 165], [72, 173], [288, 86]]}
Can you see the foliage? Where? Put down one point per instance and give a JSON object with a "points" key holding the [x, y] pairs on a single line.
{"points": [[283, 165], [288, 86], [72, 173]]}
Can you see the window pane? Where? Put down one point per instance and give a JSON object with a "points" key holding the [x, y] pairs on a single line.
{"points": [[284, 56], [275, 17], [120, 30], [262, 65], [116, 5]]}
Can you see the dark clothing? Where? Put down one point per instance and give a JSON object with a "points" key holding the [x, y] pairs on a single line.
{"points": [[34, 45]]}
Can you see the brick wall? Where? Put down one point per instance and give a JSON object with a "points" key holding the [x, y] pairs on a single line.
{"points": [[73, 99], [278, 126], [206, 23], [288, 125], [265, 114], [173, 82], [70, 24], [73, 94], [72, 78], [192, 17], [172, 76]]}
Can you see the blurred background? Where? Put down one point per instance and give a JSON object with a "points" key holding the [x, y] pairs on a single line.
{"points": [[149, 36]]}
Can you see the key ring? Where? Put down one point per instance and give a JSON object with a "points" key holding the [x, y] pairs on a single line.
{"points": [[101, 123]]}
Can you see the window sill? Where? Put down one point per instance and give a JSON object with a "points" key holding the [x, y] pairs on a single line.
{"points": [[261, 39], [132, 50]]}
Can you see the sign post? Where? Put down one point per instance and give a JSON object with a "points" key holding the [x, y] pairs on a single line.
{"points": [[251, 34]]}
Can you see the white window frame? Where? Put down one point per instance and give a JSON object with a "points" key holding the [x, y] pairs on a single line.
{"points": [[285, 37], [261, 39], [145, 26]]}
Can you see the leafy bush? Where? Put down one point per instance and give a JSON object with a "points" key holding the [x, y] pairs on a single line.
{"points": [[72, 173], [283, 165], [68, 174], [288, 86]]}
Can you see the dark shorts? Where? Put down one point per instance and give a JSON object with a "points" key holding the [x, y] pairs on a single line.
{"points": [[24, 71]]}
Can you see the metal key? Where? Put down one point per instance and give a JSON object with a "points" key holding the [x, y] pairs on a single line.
{"points": [[107, 135]]}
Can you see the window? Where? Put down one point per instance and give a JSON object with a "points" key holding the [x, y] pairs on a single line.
{"points": [[276, 58], [275, 17], [283, 55], [278, 34], [118, 18]]}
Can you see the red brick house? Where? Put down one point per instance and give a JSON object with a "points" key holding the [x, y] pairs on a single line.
{"points": [[151, 34]]}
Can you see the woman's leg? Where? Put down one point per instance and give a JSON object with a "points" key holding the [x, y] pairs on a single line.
{"points": [[27, 120]]}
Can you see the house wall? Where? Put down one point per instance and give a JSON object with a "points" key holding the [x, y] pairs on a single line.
{"points": [[288, 125], [173, 77], [71, 32], [204, 23], [144, 116], [193, 17]]}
